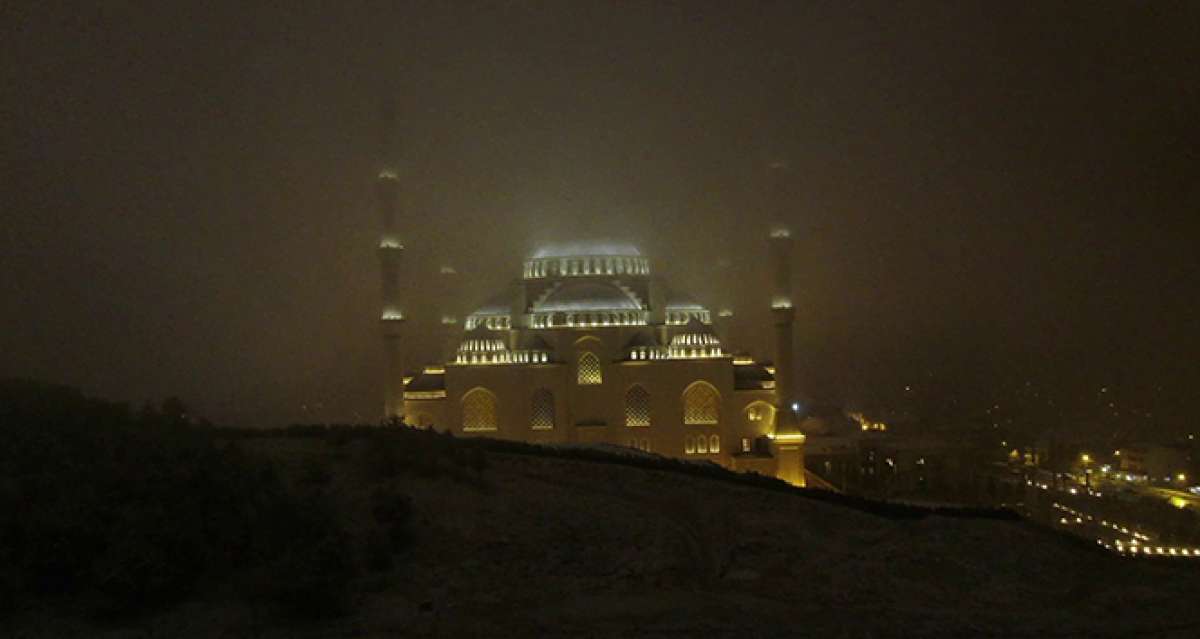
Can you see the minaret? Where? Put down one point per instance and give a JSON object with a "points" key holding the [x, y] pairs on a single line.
{"points": [[783, 313], [451, 330], [789, 439], [724, 319], [391, 250]]}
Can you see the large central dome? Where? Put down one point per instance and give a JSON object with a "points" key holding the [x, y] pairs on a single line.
{"points": [[588, 296], [587, 249]]}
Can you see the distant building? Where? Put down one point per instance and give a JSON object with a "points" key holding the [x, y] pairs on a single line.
{"points": [[1159, 462]]}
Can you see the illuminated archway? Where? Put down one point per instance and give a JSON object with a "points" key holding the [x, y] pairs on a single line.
{"points": [[637, 406], [588, 370], [541, 410], [479, 410], [701, 404]]}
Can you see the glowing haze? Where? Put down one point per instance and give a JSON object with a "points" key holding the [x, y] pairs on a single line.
{"points": [[980, 197]]}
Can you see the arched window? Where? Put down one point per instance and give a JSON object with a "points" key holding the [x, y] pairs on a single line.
{"points": [[637, 406], [541, 410], [701, 404], [588, 371], [701, 444], [760, 414], [479, 410], [714, 444], [689, 444]]}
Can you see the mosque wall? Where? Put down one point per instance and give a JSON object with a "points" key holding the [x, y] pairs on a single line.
{"points": [[658, 406]]}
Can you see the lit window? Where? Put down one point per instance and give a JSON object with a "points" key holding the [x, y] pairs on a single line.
{"points": [[701, 404], [714, 444], [689, 444], [701, 444], [479, 410], [745, 444], [589, 371], [541, 415], [637, 407], [759, 412]]}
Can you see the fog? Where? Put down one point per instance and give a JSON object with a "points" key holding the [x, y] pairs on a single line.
{"points": [[983, 196]]}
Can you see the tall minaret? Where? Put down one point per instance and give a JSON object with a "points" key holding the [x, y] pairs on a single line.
{"points": [[391, 250], [451, 330], [789, 439], [784, 314], [725, 285]]}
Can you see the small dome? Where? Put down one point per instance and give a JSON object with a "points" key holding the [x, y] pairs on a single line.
{"points": [[696, 333], [481, 340], [588, 296]]}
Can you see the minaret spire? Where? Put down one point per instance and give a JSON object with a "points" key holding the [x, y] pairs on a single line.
{"points": [[391, 250], [789, 439], [725, 286], [448, 280]]}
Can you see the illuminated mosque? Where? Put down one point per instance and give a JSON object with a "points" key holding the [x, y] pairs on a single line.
{"points": [[590, 347]]}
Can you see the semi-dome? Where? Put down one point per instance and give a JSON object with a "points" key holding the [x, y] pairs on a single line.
{"points": [[588, 296]]}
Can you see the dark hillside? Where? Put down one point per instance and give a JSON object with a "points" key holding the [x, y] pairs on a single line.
{"points": [[355, 532]]}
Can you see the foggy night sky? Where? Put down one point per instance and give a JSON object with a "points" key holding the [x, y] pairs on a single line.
{"points": [[983, 194]]}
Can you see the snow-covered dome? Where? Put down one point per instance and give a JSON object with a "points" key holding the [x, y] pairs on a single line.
{"points": [[587, 259], [587, 249]]}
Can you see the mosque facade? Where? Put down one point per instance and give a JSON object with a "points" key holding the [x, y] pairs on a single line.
{"points": [[589, 346]]}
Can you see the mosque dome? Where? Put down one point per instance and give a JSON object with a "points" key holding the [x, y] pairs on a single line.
{"points": [[587, 259], [589, 295], [586, 285], [587, 249]]}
